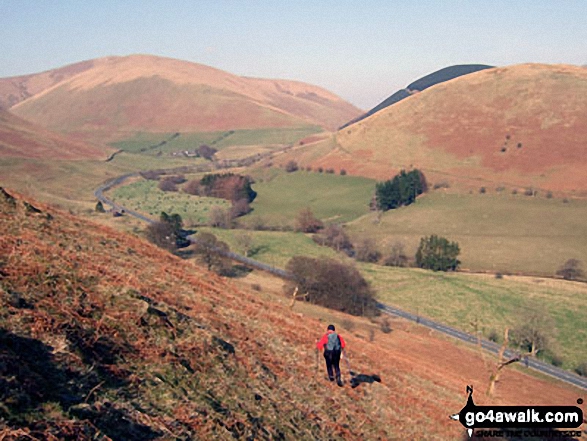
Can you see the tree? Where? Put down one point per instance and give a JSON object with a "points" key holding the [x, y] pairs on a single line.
{"points": [[220, 217], [438, 254], [206, 152], [244, 242], [306, 222], [535, 330], [163, 235], [209, 250], [397, 255], [291, 166], [401, 190], [333, 284], [366, 251], [100, 207], [334, 236], [571, 270]]}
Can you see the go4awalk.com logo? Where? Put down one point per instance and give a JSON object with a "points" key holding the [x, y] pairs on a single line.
{"points": [[520, 421]]}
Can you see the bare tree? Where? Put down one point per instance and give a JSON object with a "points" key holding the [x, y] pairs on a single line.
{"points": [[306, 222], [366, 251], [244, 242], [209, 251], [397, 255]]}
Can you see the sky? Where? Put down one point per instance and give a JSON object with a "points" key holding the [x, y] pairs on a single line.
{"points": [[361, 50]]}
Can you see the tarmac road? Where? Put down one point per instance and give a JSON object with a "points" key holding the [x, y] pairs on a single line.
{"points": [[530, 362]]}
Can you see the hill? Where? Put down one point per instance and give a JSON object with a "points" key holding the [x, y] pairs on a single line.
{"points": [[519, 126], [13, 90], [440, 76], [105, 335], [141, 93], [21, 139]]}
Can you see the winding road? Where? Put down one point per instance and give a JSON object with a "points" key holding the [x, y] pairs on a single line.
{"points": [[530, 363]]}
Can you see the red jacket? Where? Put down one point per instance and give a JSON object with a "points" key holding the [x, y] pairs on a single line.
{"points": [[324, 340]]}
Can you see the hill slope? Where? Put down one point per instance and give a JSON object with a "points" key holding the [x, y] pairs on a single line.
{"points": [[522, 125], [147, 93], [104, 333], [440, 76], [21, 139]]}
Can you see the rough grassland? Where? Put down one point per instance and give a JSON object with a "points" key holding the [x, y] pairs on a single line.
{"points": [[455, 299], [332, 198], [504, 233]]}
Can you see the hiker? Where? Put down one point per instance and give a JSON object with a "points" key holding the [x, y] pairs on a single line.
{"points": [[333, 344]]}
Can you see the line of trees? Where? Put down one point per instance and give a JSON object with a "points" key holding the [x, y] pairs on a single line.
{"points": [[401, 190]]}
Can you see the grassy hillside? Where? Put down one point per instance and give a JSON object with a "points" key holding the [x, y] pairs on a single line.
{"points": [[332, 198], [518, 126], [21, 139], [440, 76], [105, 335], [496, 232], [153, 143]]}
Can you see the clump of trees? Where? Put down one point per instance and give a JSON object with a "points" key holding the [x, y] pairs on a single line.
{"points": [[571, 270], [291, 166], [168, 232], [401, 190], [438, 254], [206, 152], [333, 284], [170, 183]]}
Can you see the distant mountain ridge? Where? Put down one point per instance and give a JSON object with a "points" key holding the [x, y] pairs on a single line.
{"points": [[155, 94], [439, 76]]}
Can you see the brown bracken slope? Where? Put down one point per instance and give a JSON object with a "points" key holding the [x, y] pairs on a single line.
{"points": [[104, 336], [523, 125], [154, 94], [21, 139]]}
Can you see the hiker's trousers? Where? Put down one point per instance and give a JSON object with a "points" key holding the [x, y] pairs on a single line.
{"points": [[332, 364]]}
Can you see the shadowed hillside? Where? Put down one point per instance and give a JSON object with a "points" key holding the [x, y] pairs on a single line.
{"points": [[519, 126], [153, 94], [440, 76], [21, 139]]}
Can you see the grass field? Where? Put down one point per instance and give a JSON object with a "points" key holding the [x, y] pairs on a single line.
{"points": [[459, 300], [149, 143], [499, 232], [144, 196], [455, 299], [332, 198]]}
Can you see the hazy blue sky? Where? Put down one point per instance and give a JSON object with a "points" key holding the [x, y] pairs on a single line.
{"points": [[360, 50]]}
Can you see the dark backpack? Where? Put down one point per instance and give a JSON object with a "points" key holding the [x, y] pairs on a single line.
{"points": [[333, 343]]}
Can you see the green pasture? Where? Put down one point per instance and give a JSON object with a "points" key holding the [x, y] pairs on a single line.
{"points": [[332, 198], [501, 233], [461, 300], [145, 197], [456, 299], [150, 142]]}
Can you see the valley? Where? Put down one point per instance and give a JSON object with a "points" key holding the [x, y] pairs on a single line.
{"points": [[505, 180]]}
